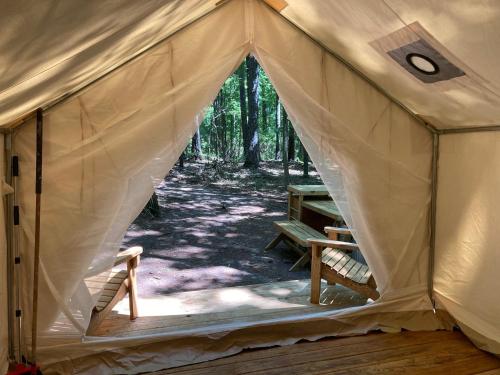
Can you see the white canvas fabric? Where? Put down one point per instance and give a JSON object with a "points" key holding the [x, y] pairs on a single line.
{"points": [[50, 48], [3, 268], [467, 257], [465, 32], [106, 147], [103, 153], [375, 161]]}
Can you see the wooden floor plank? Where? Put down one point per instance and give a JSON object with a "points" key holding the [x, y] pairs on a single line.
{"points": [[495, 371], [408, 352], [316, 346], [197, 309], [295, 360]]}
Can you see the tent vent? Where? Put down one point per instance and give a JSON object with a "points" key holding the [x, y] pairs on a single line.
{"points": [[424, 62]]}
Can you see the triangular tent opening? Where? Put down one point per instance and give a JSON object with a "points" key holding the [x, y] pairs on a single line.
{"points": [[378, 159], [212, 251]]}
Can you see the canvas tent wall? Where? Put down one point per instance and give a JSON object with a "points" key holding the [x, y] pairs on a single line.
{"points": [[147, 71]]}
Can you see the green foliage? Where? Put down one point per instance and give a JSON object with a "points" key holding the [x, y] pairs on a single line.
{"points": [[221, 134]]}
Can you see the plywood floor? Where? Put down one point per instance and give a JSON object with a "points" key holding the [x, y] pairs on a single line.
{"points": [[426, 353], [218, 307]]}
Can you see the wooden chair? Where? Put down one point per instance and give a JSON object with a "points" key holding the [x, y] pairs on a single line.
{"points": [[330, 261], [115, 285]]}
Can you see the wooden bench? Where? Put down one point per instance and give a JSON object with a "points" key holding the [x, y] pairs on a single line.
{"points": [[331, 261], [115, 285], [295, 234]]}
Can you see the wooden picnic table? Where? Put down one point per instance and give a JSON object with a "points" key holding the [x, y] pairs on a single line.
{"points": [[324, 207], [316, 190], [299, 193]]}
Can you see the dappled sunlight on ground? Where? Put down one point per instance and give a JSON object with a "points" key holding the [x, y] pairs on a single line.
{"points": [[215, 300], [225, 308], [212, 234]]}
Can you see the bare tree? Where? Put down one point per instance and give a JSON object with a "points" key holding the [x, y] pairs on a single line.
{"points": [[196, 145], [252, 155]]}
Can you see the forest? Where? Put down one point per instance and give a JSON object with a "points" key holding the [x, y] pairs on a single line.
{"points": [[246, 124]]}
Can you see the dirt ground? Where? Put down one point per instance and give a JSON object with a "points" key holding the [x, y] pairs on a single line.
{"points": [[214, 223]]}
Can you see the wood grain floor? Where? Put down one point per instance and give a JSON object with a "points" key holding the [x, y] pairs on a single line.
{"points": [[426, 353], [218, 307]]}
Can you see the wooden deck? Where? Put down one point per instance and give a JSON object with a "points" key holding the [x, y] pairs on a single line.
{"points": [[219, 307], [377, 353]]}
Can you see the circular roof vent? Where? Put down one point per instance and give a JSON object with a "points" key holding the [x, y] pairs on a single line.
{"points": [[422, 63]]}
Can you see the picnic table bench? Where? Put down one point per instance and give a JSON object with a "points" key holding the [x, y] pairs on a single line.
{"points": [[299, 234], [294, 231]]}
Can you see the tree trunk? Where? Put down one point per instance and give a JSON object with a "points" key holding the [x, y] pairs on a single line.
{"points": [[277, 129], [265, 119], [181, 161], [243, 107], [215, 138], [253, 152], [196, 145], [305, 160], [152, 208], [291, 141], [284, 143]]}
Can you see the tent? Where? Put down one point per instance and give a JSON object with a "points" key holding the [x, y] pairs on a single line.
{"points": [[396, 101]]}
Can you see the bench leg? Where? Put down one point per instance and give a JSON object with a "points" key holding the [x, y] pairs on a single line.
{"points": [[271, 245], [300, 252], [315, 273], [304, 259], [132, 289]]}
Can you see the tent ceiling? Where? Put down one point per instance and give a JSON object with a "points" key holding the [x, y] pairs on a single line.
{"points": [[51, 47], [469, 31]]}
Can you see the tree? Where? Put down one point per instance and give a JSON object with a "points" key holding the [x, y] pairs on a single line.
{"points": [[181, 160], [284, 143], [305, 161], [277, 130], [243, 106], [220, 125], [245, 121], [291, 141], [196, 145], [152, 208], [252, 154]]}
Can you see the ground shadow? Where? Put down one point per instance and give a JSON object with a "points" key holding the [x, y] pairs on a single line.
{"points": [[214, 224]]}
